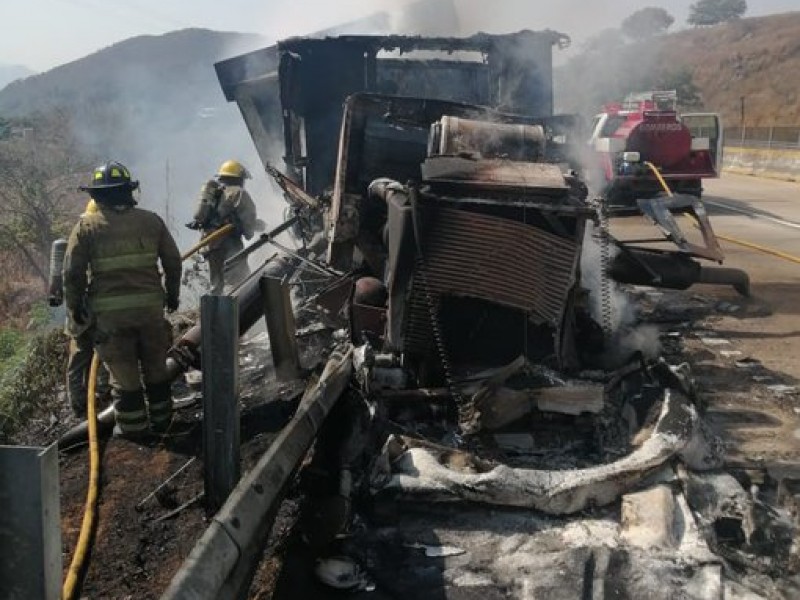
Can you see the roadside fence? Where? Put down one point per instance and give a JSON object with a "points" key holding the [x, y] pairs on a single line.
{"points": [[763, 137]]}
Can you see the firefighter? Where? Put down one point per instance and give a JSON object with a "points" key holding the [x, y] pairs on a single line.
{"points": [[224, 200], [119, 247], [81, 349]]}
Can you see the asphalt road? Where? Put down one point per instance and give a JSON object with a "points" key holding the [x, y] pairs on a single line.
{"points": [[766, 213], [763, 211], [745, 212]]}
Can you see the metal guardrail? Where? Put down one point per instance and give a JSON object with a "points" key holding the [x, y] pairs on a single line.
{"points": [[779, 137], [222, 562]]}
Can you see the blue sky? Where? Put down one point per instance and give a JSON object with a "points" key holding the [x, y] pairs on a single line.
{"points": [[42, 34]]}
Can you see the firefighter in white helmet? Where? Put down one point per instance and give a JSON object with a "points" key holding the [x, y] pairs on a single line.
{"points": [[224, 200]]}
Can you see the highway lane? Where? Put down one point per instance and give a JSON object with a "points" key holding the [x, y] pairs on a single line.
{"points": [[760, 211], [764, 212]]}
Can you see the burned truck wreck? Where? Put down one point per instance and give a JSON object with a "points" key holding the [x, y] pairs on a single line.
{"points": [[465, 359], [466, 301]]}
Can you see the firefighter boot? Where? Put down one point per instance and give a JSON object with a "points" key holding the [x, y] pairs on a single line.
{"points": [[159, 406], [130, 414]]}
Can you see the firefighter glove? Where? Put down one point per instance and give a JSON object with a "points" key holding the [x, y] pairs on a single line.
{"points": [[172, 303]]}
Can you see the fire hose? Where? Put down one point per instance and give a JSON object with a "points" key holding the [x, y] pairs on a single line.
{"points": [[738, 242], [90, 511], [211, 237]]}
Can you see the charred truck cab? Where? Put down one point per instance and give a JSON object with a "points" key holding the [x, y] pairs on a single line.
{"points": [[448, 178], [476, 236], [297, 88]]}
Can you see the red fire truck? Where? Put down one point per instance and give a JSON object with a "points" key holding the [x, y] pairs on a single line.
{"points": [[646, 129]]}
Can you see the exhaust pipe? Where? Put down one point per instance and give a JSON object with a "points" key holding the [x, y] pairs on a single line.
{"points": [[672, 271], [726, 276]]}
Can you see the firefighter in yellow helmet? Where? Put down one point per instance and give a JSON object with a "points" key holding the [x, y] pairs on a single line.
{"points": [[111, 275], [224, 200]]}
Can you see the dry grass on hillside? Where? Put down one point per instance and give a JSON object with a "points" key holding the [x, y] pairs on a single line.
{"points": [[754, 58]]}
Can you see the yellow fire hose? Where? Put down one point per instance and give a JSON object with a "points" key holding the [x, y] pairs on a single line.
{"points": [[211, 237], [90, 511], [736, 241]]}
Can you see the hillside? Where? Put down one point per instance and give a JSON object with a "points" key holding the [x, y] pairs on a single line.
{"points": [[9, 73], [140, 69], [758, 59], [754, 58], [153, 103]]}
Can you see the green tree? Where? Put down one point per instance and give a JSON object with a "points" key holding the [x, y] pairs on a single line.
{"points": [[711, 12], [646, 23], [682, 81]]}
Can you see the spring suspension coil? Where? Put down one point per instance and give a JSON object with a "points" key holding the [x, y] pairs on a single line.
{"points": [[467, 418], [604, 240]]}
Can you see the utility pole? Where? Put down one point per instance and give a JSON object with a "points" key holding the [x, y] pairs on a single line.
{"points": [[167, 215], [741, 108]]}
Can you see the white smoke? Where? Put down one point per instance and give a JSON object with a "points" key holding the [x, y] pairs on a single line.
{"points": [[611, 307]]}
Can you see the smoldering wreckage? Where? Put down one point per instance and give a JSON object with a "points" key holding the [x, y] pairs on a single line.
{"points": [[479, 423]]}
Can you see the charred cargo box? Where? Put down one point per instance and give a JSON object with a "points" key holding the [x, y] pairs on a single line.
{"points": [[296, 88]]}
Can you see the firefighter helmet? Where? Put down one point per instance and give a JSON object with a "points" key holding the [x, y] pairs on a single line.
{"points": [[233, 168], [111, 175]]}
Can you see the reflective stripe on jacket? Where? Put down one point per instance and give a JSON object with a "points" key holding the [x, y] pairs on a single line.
{"points": [[120, 248]]}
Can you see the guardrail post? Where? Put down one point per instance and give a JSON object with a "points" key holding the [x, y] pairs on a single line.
{"points": [[219, 317], [30, 523]]}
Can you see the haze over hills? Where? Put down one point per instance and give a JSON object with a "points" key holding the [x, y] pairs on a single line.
{"points": [[139, 70], [757, 59], [9, 73], [155, 103], [173, 73]]}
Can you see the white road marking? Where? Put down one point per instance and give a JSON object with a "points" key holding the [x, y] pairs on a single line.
{"points": [[722, 205]]}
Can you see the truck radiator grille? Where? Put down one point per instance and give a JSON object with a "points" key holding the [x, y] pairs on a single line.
{"points": [[498, 260]]}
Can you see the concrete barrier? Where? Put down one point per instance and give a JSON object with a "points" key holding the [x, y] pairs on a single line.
{"points": [[775, 163]]}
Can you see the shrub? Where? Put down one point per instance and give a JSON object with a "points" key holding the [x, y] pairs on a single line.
{"points": [[30, 377]]}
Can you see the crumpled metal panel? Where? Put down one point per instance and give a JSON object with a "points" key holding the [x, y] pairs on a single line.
{"points": [[659, 210]]}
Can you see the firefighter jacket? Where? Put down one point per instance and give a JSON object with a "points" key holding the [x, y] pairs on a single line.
{"points": [[111, 262], [221, 204]]}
